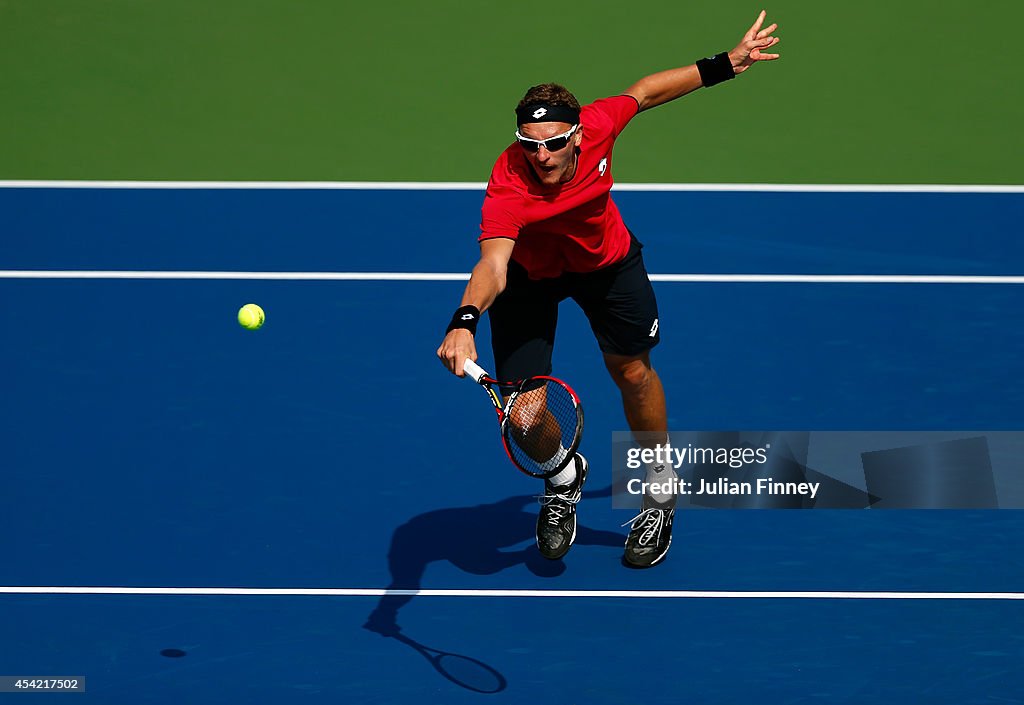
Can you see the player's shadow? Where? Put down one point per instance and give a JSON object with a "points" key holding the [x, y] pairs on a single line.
{"points": [[479, 540]]}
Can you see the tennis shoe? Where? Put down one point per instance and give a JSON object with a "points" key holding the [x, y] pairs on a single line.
{"points": [[650, 533], [556, 523]]}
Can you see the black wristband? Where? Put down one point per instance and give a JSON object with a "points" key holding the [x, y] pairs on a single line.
{"points": [[715, 69], [464, 317]]}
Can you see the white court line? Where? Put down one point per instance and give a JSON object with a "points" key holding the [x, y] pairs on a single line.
{"points": [[633, 594], [479, 186], [457, 276]]}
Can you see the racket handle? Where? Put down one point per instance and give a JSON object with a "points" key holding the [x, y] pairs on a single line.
{"points": [[473, 370]]}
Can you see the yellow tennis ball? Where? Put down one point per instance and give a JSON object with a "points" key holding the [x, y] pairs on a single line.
{"points": [[251, 316]]}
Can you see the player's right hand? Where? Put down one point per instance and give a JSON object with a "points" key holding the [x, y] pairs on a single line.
{"points": [[751, 48], [455, 348]]}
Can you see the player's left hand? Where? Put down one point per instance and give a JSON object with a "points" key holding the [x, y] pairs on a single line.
{"points": [[751, 48]]}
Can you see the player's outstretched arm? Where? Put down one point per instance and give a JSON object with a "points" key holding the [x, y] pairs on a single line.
{"points": [[660, 88], [485, 283]]}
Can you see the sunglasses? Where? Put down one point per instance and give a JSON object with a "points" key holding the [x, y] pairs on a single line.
{"points": [[552, 144]]}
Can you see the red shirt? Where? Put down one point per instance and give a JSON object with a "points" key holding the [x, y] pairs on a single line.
{"points": [[571, 227]]}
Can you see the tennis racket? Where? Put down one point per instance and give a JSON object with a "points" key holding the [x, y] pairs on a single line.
{"points": [[541, 420]]}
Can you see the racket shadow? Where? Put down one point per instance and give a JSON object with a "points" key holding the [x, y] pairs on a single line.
{"points": [[464, 671]]}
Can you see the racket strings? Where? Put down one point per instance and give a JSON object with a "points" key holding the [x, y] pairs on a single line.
{"points": [[542, 424]]}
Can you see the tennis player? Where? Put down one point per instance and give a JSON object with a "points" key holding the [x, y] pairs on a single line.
{"points": [[551, 231]]}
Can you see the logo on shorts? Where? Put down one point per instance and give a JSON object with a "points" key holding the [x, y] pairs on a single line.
{"points": [[540, 112], [602, 167], [654, 329]]}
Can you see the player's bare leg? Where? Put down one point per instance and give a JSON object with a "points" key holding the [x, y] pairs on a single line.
{"points": [[643, 400], [534, 427], [556, 522], [643, 397]]}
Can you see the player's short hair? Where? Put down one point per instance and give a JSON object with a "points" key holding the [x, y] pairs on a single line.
{"points": [[550, 93]]}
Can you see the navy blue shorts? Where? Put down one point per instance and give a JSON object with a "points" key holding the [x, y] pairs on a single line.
{"points": [[618, 300]]}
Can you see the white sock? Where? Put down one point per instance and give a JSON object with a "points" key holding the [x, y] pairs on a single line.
{"points": [[657, 475], [555, 460], [565, 476], [660, 473]]}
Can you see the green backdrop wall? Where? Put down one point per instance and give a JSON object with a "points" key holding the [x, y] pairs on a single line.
{"points": [[868, 92]]}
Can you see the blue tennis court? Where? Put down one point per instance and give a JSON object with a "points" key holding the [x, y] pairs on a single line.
{"points": [[150, 442]]}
